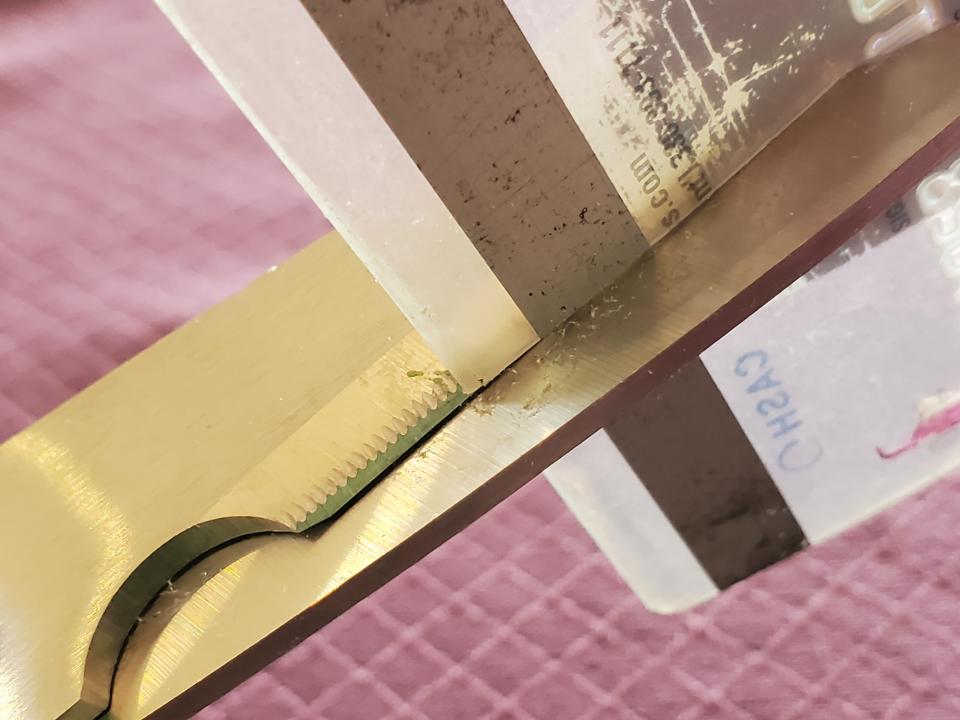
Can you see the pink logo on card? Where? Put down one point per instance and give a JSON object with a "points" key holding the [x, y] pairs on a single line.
{"points": [[938, 414]]}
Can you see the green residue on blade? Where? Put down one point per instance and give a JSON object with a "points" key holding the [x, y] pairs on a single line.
{"points": [[376, 467]]}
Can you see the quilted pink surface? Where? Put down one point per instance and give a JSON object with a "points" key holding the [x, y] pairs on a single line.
{"points": [[133, 195]]}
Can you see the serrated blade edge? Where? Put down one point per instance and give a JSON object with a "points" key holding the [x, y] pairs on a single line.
{"points": [[351, 441]]}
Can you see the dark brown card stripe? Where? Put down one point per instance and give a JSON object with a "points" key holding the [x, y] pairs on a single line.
{"points": [[688, 449], [461, 88]]}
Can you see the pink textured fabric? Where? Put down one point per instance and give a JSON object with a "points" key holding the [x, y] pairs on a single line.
{"points": [[133, 195]]}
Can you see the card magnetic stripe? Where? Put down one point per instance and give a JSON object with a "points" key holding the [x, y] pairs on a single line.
{"points": [[688, 449], [460, 87]]}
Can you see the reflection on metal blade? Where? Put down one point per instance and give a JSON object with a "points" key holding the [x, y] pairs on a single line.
{"points": [[265, 414]]}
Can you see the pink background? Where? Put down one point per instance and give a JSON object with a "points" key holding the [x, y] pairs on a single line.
{"points": [[133, 195]]}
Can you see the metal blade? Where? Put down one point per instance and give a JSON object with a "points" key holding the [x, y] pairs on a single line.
{"points": [[265, 414]]}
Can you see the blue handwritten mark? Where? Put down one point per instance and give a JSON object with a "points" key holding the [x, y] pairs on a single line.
{"points": [[796, 451]]}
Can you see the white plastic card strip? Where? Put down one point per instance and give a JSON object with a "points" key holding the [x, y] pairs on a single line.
{"points": [[847, 386], [848, 383]]}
